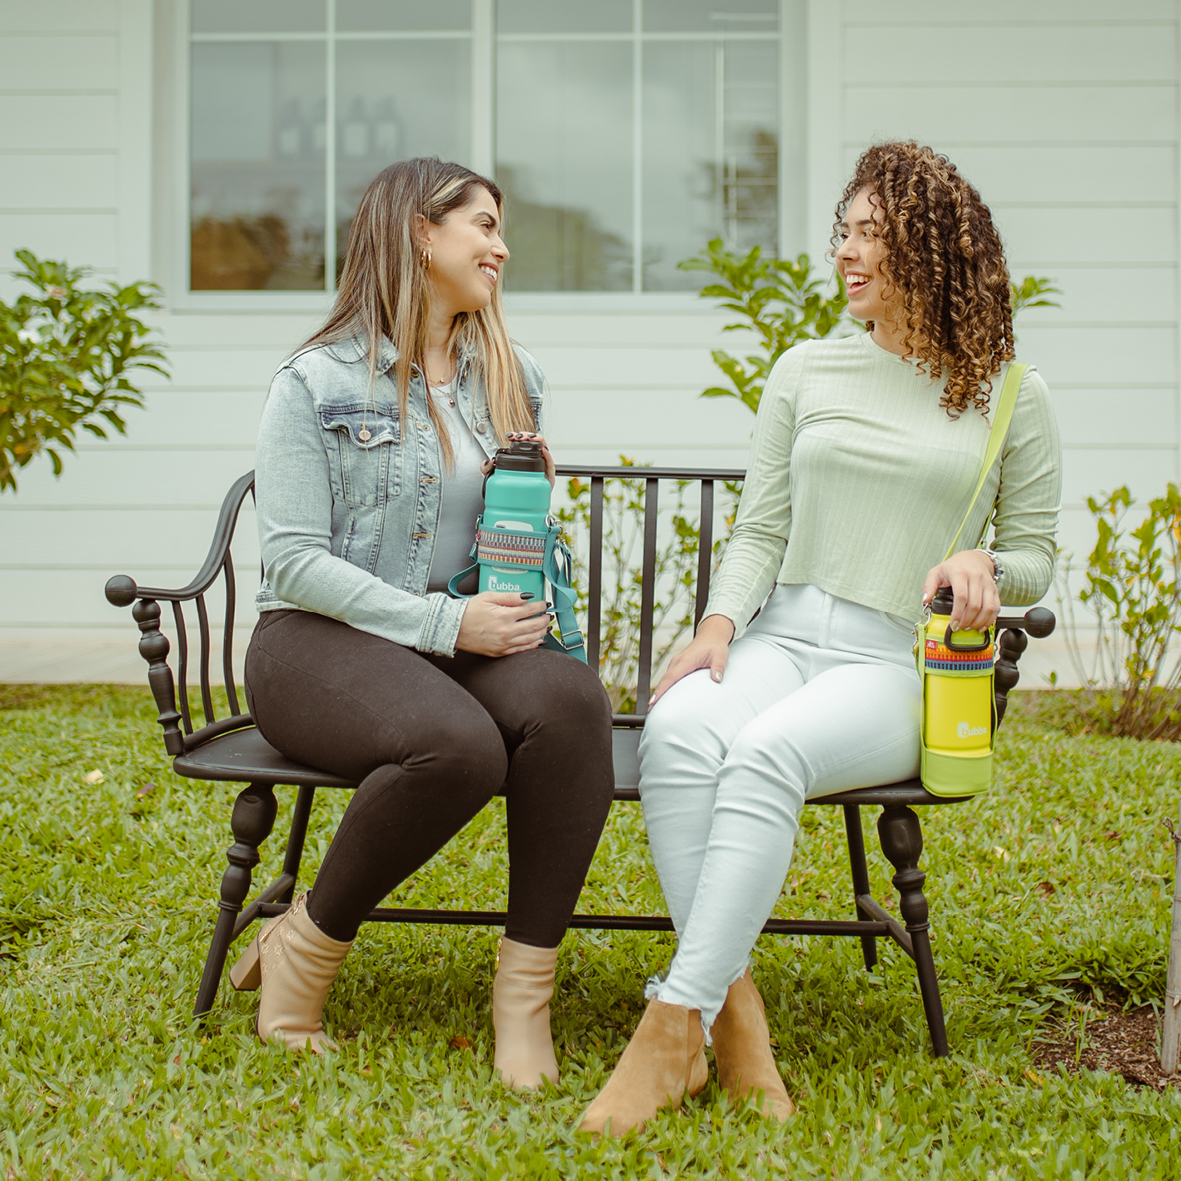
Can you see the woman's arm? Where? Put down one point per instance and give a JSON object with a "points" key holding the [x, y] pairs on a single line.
{"points": [[754, 553], [1025, 521], [1029, 497]]}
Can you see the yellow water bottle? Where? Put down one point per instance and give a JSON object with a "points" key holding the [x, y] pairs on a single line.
{"points": [[957, 669]]}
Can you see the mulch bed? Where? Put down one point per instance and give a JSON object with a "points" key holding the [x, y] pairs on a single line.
{"points": [[1119, 1042]]}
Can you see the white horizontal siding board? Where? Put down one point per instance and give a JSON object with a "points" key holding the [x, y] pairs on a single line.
{"points": [[1012, 113], [104, 476], [1113, 295], [1090, 471], [1006, 12], [59, 63], [969, 53], [653, 368], [1062, 174], [627, 420], [1119, 356], [117, 540], [215, 418], [1116, 418], [697, 325], [135, 139], [1120, 234], [281, 333], [82, 239], [35, 598], [51, 16], [56, 122], [37, 181], [213, 369]]}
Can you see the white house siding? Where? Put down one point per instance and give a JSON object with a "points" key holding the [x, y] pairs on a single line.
{"points": [[1063, 114]]}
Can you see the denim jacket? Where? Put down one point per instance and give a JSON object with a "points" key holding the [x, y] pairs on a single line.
{"points": [[349, 492]]}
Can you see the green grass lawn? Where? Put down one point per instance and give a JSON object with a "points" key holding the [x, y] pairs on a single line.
{"points": [[1051, 888]]}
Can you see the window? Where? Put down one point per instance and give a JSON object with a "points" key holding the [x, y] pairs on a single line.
{"points": [[625, 132]]}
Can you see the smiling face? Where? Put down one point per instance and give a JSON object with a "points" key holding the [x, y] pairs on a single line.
{"points": [[859, 260], [467, 253]]}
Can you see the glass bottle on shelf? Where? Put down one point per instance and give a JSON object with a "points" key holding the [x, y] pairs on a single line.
{"points": [[387, 131], [319, 129], [289, 131], [354, 132]]}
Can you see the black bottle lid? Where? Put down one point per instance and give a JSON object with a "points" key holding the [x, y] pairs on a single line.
{"points": [[943, 601], [521, 455]]}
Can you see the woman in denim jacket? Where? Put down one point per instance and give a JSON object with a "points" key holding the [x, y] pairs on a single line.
{"points": [[371, 453]]}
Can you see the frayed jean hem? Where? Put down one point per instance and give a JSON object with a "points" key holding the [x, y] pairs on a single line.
{"points": [[658, 989]]}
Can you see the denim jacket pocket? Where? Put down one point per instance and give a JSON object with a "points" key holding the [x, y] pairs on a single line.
{"points": [[364, 452]]}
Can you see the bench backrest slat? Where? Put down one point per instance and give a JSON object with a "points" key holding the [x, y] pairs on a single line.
{"points": [[594, 609], [704, 550], [647, 593], [227, 639], [182, 665]]}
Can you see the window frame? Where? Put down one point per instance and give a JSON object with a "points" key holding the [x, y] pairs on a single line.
{"points": [[792, 188]]}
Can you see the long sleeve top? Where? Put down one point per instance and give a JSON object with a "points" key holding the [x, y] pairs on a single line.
{"points": [[858, 480]]}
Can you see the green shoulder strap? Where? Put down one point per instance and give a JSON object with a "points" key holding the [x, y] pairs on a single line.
{"points": [[996, 439]]}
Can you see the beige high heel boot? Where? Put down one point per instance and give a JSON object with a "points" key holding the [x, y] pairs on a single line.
{"points": [[664, 1060], [520, 1014], [742, 1051], [295, 964]]}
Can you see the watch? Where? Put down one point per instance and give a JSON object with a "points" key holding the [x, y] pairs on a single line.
{"points": [[997, 568]]}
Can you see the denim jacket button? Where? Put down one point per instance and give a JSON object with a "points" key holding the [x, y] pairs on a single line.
{"points": [[481, 427]]}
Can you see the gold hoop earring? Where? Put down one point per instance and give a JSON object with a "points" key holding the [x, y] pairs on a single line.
{"points": [[426, 259]]}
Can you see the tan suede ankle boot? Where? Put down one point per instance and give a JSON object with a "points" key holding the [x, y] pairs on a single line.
{"points": [[742, 1051], [664, 1059], [520, 1014], [295, 963]]}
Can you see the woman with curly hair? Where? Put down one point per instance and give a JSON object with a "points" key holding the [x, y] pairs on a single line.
{"points": [[864, 460]]}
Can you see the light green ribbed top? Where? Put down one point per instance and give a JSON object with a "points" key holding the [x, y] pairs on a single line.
{"points": [[858, 480]]}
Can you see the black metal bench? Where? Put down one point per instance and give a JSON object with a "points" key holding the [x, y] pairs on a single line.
{"points": [[231, 749]]}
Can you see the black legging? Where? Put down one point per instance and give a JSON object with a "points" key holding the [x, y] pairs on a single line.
{"points": [[432, 739]]}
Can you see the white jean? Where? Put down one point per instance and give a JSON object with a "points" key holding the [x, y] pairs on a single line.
{"points": [[820, 695]]}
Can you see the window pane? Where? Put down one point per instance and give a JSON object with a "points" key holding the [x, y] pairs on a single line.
{"points": [[396, 100], [257, 141], [711, 16], [402, 16], [711, 159], [564, 16], [258, 16], [564, 143]]}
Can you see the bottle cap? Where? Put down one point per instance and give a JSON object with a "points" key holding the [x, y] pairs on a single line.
{"points": [[521, 455]]}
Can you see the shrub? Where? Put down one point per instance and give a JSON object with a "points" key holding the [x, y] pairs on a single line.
{"points": [[66, 356], [1131, 593]]}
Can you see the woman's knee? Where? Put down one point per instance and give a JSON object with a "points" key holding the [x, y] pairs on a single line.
{"points": [[466, 750]]}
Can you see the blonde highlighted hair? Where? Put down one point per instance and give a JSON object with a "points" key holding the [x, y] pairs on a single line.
{"points": [[385, 291]]}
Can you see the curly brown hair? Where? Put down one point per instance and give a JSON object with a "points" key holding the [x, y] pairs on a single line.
{"points": [[944, 257]]}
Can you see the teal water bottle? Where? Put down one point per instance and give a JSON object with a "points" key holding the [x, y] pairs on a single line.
{"points": [[511, 543]]}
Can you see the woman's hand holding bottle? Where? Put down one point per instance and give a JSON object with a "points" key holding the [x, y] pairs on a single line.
{"points": [[970, 574], [710, 649], [498, 624]]}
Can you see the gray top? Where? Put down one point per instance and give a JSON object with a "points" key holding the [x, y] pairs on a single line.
{"points": [[462, 494]]}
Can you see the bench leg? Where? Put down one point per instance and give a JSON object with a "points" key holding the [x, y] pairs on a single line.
{"points": [[251, 823], [902, 842], [860, 872], [295, 839]]}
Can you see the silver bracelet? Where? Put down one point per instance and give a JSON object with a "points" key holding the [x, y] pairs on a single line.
{"points": [[997, 568]]}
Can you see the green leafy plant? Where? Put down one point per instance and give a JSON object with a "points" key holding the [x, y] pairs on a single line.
{"points": [[776, 298], [622, 573], [780, 301], [1131, 594], [67, 353]]}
